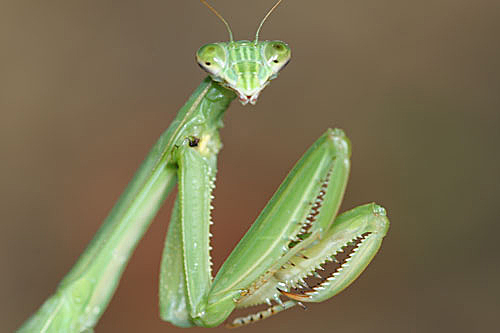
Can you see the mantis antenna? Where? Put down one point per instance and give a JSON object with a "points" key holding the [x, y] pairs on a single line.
{"points": [[264, 20], [221, 18]]}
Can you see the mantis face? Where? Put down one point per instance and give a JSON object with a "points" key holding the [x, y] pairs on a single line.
{"points": [[244, 66]]}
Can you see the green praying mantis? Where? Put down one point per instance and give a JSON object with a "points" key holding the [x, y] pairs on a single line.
{"points": [[295, 234]]}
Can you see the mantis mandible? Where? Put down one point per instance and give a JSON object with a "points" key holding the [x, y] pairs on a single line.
{"points": [[296, 233]]}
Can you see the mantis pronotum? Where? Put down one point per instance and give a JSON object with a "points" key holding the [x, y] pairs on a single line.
{"points": [[296, 233]]}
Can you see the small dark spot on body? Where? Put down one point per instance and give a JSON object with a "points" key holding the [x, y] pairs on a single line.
{"points": [[193, 141]]}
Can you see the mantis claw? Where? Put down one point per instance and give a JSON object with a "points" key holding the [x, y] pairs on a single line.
{"points": [[363, 228]]}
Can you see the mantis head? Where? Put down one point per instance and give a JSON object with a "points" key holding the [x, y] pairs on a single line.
{"points": [[244, 66]]}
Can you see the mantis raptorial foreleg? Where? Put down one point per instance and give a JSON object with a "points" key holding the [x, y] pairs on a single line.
{"points": [[291, 238], [173, 301], [367, 224], [295, 234]]}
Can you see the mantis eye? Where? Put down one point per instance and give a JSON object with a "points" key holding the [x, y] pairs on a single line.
{"points": [[277, 54], [211, 58]]}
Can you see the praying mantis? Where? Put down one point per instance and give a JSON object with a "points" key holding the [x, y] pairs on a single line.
{"points": [[296, 233]]}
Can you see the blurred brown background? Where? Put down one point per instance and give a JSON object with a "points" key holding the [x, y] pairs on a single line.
{"points": [[86, 87]]}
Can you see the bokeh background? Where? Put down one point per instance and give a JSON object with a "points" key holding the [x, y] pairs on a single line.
{"points": [[86, 87]]}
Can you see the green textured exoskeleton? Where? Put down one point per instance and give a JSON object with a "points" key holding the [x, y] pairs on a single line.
{"points": [[296, 233]]}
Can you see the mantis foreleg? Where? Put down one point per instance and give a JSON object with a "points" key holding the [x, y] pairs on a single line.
{"points": [[294, 234], [174, 301]]}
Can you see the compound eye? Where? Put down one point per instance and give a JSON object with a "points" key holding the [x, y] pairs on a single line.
{"points": [[277, 54], [211, 58]]}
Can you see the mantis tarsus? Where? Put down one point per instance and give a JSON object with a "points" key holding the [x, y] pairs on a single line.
{"points": [[295, 234]]}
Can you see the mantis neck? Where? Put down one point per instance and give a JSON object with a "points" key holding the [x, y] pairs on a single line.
{"points": [[203, 111]]}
